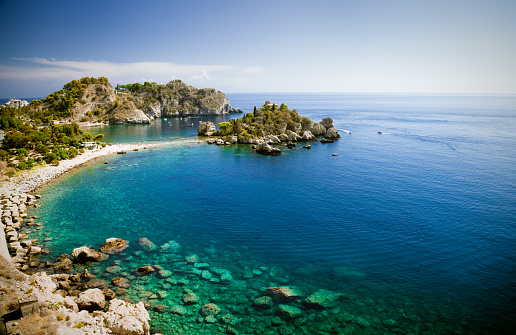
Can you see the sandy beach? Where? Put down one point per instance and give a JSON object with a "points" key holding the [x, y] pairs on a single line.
{"points": [[27, 181]]}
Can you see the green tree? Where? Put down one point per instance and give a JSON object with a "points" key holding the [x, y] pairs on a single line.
{"points": [[98, 137], [86, 137]]}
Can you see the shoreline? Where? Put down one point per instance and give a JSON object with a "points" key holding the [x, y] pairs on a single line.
{"points": [[30, 180]]}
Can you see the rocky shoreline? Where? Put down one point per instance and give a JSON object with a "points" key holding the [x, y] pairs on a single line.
{"points": [[59, 303]]}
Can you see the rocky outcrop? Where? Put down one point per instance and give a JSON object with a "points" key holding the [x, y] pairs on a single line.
{"points": [[85, 254], [206, 129], [266, 149], [114, 245]]}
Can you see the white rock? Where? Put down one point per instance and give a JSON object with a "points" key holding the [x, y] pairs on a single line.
{"points": [[91, 300], [127, 319]]}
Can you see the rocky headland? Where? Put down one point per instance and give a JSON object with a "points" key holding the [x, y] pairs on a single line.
{"points": [[96, 100]]}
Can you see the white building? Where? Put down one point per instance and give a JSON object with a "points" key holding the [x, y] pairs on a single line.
{"points": [[16, 103]]}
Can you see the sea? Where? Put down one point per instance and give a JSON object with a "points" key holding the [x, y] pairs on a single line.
{"points": [[405, 225]]}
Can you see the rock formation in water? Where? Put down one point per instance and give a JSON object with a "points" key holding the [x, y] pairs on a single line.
{"points": [[270, 125]]}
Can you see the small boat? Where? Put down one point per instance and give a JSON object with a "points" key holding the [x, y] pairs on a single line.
{"points": [[334, 154], [121, 152], [380, 132]]}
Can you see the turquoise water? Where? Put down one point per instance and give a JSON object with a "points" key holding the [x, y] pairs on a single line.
{"points": [[413, 231]]}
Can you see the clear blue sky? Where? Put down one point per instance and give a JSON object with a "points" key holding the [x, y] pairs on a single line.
{"points": [[435, 46]]}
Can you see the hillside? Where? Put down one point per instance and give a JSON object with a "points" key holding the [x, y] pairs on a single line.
{"points": [[94, 99]]}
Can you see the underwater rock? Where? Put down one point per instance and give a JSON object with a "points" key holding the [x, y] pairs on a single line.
{"points": [[85, 254], [283, 293], [178, 310], [160, 308], [91, 300], [209, 309], [191, 259], [288, 312], [321, 299], [206, 275], [190, 299], [226, 278], [114, 245], [229, 319], [327, 140], [161, 295], [202, 266], [146, 269], [348, 272], [264, 302], [164, 274], [210, 319], [146, 245], [114, 269], [121, 282], [171, 246]]}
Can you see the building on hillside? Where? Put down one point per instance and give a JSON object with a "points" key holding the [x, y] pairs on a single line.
{"points": [[89, 145], [16, 103]]}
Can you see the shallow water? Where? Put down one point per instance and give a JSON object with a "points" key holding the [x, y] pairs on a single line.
{"points": [[413, 230]]}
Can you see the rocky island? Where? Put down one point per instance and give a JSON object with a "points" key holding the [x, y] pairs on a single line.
{"points": [[267, 126]]}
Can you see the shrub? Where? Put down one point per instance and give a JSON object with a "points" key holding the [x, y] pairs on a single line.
{"points": [[22, 166]]}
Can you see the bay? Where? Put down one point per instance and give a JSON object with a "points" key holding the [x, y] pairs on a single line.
{"points": [[413, 229]]}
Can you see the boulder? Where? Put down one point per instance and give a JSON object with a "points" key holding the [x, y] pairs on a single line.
{"points": [[288, 312], [307, 136], [283, 293], [190, 299], [265, 149], [317, 129], [91, 300], [206, 128], [146, 245], [332, 134], [264, 302], [209, 309], [321, 299], [146, 269], [327, 122], [171, 246], [127, 319], [114, 245], [85, 254]]}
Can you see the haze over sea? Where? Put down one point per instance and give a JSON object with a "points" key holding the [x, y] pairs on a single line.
{"points": [[415, 228]]}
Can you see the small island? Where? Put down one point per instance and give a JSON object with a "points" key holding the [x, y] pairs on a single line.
{"points": [[269, 125]]}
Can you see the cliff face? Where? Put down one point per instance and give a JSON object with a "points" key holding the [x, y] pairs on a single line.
{"points": [[96, 100]]}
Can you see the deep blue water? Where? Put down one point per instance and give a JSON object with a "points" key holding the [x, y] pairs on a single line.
{"points": [[415, 225]]}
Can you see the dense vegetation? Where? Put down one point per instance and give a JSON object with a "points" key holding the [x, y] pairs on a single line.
{"points": [[267, 120], [26, 143]]}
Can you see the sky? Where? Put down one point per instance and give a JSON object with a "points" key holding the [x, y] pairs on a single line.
{"points": [[416, 46]]}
